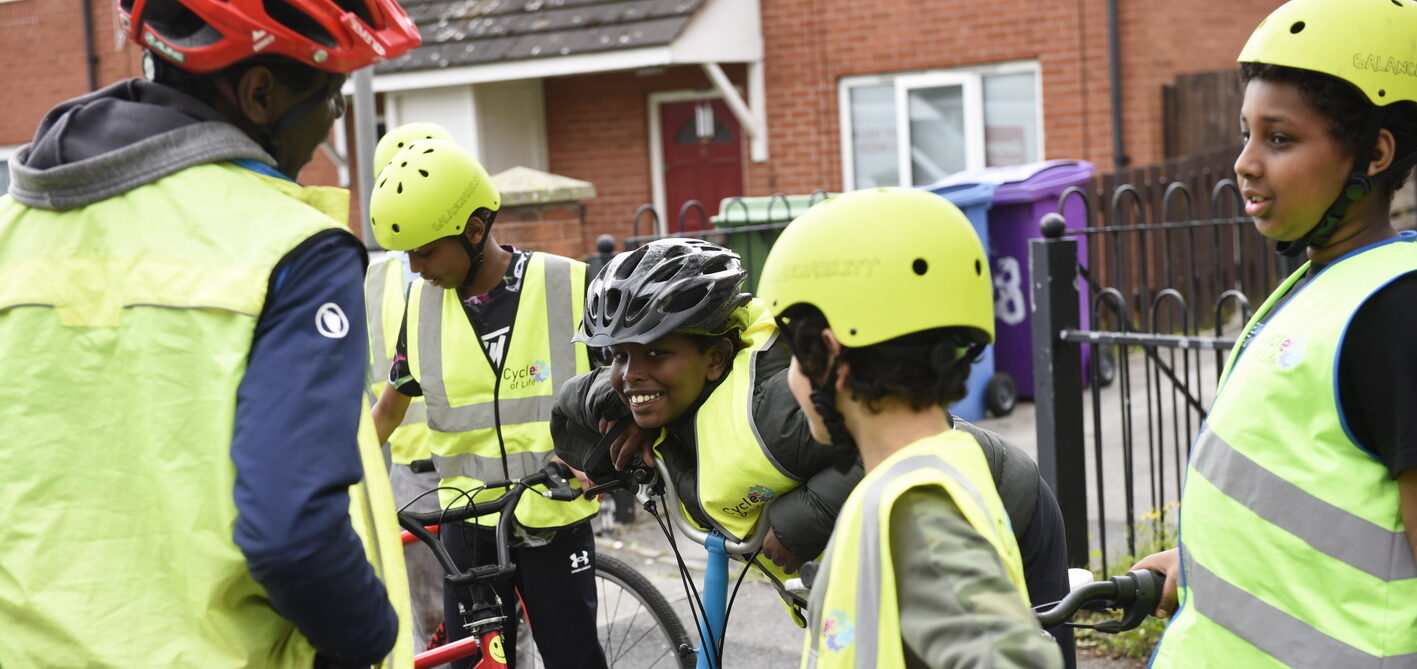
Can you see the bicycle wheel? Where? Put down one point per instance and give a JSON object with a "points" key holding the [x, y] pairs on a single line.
{"points": [[638, 628]]}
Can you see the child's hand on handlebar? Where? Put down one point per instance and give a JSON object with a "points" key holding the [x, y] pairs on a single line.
{"points": [[1168, 563], [580, 475], [780, 556], [634, 441]]}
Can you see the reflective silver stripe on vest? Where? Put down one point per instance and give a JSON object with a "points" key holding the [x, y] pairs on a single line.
{"points": [[417, 413], [868, 573], [484, 415], [560, 321], [374, 288], [485, 468], [1276, 633], [1329, 529]]}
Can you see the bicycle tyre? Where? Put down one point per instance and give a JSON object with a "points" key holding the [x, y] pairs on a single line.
{"points": [[630, 580], [625, 579]]}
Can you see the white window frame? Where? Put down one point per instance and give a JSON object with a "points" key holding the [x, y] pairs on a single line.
{"points": [[975, 149], [7, 153]]}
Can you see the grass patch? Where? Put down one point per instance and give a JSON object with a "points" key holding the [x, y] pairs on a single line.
{"points": [[1155, 532]]}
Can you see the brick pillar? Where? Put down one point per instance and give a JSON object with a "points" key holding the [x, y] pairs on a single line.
{"points": [[542, 212]]}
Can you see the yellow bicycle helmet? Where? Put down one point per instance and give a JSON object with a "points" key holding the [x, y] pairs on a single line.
{"points": [[882, 263], [428, 191], [402, 136], [1371, 44]]}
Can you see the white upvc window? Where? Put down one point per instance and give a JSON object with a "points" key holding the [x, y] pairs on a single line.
{"points": [[6, 152], [946, 120]]}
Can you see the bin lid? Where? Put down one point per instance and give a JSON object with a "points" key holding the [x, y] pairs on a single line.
{"points": [[1026, 183], [735, 211], [965, 195]]}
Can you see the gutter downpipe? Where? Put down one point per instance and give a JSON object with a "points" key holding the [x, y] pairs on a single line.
{"points": [[1114, 49], [90, 58]]}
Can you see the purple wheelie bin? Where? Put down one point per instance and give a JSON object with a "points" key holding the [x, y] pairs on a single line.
{"points": [[1022, 195]]}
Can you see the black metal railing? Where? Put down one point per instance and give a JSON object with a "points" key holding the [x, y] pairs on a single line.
{"points": [[1167, 292]]}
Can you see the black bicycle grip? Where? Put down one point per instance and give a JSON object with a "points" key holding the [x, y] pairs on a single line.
{"points": [[422, 466], [558, 486]]}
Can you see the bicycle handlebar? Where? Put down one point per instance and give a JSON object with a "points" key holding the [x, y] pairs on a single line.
{"points": [[1136, 593], [643, 478], [555, 476]]}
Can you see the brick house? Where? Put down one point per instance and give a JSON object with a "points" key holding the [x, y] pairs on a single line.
{"points": [[657, 101]]}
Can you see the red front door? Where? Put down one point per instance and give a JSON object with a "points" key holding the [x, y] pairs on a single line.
{"points": [[703, 159]]}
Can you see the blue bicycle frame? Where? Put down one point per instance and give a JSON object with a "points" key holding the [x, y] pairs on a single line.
{"points": [[715, 592]]}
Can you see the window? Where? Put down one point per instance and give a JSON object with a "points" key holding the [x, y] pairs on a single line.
{"points": [[913, 129], [5, 153]]}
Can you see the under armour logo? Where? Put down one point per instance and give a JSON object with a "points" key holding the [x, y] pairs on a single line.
{"points": [[580, 562]]}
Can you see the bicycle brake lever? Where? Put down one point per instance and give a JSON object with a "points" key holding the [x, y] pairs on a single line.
{"points": [[558, 487]]}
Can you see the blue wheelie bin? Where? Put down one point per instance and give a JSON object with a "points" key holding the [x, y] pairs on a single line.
{"points": [[1022, 195], [974, 200]]}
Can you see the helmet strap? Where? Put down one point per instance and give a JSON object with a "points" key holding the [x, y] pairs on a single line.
{"points": [[475, 255], [843, 445], [1358, 186]]}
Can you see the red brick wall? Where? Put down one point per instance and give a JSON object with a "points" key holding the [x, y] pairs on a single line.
{"points": [[552, 228], [597, 125], [597, 129]]}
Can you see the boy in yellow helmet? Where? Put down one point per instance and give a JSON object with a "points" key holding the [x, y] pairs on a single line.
{"points": [[486, 341], [923, 569], [1299, 509]]}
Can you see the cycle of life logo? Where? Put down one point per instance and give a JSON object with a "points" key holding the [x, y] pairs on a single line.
{"points": [[536, 372], [838, 630], [1284, 351], [756, 495]]}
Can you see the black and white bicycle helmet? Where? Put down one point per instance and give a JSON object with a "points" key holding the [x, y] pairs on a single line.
{"points": [[668, 285]]}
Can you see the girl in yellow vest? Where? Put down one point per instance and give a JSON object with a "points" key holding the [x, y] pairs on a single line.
{"points": [[696, 369], [923, 569], [1300, 500]]}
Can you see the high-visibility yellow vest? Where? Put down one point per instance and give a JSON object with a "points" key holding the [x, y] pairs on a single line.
{"points": [[383, 309], [858, 626], [1293, 548], [737, 475], [486, 427], [127, 324]]}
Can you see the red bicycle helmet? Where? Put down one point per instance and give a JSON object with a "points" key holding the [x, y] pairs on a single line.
{"points": [[203, 36]]}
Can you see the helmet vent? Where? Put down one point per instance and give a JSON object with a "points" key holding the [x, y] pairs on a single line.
{"points": [[628, 265], [360, 8], [1382, 92], [612, 301], [298, 21], [373, 222], [1297, 28], [978, 268], [400, 187], [428, 151], [384, 181], [1395, 2], [636, 309], [686, 300], [716, 265], [920, 266], [396, 227], [423, 172], [664, 273]]}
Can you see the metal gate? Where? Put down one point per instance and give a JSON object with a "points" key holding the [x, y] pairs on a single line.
{"points": [[1170, 278]]}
